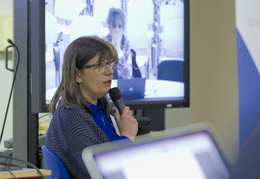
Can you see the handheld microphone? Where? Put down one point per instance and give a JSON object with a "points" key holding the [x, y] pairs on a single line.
{"points": [[117, 99], [10, 42]]}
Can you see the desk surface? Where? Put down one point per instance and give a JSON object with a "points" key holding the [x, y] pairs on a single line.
{"points": [[24, 173]]}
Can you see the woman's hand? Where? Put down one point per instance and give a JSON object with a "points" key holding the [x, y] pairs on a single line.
{"points": [[127, 124], [116, 41]]}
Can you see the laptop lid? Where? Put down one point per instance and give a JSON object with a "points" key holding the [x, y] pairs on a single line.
{"points": [[132, 88], [188, 152]]}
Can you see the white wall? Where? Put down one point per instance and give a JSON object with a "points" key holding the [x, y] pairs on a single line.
{"points": [[213, 63], [6, 9], [5, 81]]}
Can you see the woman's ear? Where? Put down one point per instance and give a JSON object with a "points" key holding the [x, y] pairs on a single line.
{"points": [[78, 76]]}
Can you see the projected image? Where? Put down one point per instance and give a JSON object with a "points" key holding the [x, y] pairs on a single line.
{"points": [[148, 36]]}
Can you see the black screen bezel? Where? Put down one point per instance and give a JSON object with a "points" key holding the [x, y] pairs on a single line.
{"points": [[37, 63]]}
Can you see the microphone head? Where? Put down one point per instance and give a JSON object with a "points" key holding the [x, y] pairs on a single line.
{"points": [[10, 41], [115, 94]]}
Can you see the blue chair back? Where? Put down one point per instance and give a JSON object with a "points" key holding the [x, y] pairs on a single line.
{"points": [[171, 70], [54, 164]]}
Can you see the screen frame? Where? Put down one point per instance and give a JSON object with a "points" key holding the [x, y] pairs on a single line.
{"points": [[37, 56], [168, 134], [37, 63]]}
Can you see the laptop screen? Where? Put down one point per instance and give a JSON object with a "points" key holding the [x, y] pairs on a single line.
{"points": [[132, 88], [192, 155]]}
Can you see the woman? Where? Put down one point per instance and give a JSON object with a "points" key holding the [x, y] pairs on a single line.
{"points": [[117, 37], [80, 108]]}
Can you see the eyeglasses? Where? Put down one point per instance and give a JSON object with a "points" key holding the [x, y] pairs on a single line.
{"points": [[102, 66]]}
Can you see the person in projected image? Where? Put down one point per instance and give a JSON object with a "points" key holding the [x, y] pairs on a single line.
{"points": [[81, 111], [126, 68]]}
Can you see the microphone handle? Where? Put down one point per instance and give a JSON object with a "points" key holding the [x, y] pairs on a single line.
{"points": [[120, 105]]}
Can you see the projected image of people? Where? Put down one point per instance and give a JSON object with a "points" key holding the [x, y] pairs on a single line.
{"points": [[149, 41], [117, 37]]}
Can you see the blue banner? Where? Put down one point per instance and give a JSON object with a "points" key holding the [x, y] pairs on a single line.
{"points": [[248, 55]]}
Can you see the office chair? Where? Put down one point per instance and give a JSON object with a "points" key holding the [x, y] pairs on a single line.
{"points": [[171, 70], [54, 164]]}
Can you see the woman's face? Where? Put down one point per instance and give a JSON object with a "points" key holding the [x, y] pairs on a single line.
{"points": [[116, 28], [93, 84]]}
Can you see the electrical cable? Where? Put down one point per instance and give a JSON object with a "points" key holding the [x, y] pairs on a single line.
{"points": [[44, 116], [10, 154], [8, 104], [12, 87], [9, 166], [28, 163], [9, 171]]}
